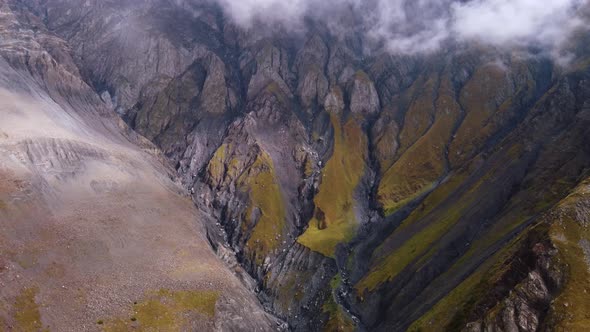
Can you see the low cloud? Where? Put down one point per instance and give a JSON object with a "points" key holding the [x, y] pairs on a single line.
{"points": [[415, 26], [523, 21], [246, 12]]}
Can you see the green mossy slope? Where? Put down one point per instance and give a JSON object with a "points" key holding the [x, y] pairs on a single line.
{"points": [[335, 221], [166, 310], [265, 195], [423, 164], [263, 220]]}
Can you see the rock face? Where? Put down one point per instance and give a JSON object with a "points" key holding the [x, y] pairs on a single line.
{"points": [[354, 191], [363, 98], [94, 233]]}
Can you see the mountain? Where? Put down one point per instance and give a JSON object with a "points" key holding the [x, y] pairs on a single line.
{"points": [[94, 231], [346, 186]]}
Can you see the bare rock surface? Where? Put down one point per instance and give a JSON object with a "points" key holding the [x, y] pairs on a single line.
{"points": [[91, 223]]}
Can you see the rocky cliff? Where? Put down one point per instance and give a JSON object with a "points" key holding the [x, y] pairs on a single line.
{"points": [[357, 191], [95, 234]]}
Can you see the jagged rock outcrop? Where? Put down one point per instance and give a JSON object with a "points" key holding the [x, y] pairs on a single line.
{"points": [[309, 65], [364, 98]]}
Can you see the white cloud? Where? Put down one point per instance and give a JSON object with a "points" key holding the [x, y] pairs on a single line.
{"points": [[508, 21], [413, 26], [245, 12]]}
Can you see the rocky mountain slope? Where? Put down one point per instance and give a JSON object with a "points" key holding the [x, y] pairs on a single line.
{"points": [[94, 233], [364, 191]]}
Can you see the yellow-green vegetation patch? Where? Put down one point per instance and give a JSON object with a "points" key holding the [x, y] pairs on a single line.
{"points": [[399, 190], [274, 89], [441, 315], [522, 209], [3, 323], [216, 167], [201, 301], [452, 309], [385, 145], [165, 310], [417, 171], [571, 309], [434, 199], [389, 264], [2, 205], [27, 315], [290, 286], [418, 245], [266, 195], [499, 231], [413, 248], [479, 98], [156, 314], [420, 114], [336, 281], [265, 213], [339, 320], [334, 221]]}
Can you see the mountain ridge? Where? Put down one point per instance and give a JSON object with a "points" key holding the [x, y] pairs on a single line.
{"points": [[96, 234]]}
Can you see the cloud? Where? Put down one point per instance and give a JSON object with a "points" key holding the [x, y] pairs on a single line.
{"points": [[508, 21], [417, 26], [246, 12]]}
